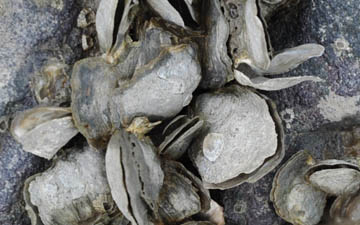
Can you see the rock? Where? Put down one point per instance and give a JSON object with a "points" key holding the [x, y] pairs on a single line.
{"points": [[15, 166], [27, 27], [332, 24]]}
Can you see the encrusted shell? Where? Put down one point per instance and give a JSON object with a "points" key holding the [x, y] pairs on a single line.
{"points": [[92, 82], [294, 200], [335, 177], [179, 134], [43, 130], [346, 210], [134, 175], [182, 194], [160, 89], [71, 192], [242, 138], [51, 85]]}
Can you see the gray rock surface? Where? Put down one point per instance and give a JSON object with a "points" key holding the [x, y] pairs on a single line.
{"points": [[315, 115], [15, 166]]}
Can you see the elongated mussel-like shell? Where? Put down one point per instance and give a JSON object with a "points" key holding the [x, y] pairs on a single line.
{"points": [[43, 130], [335, 177], [242, 139], [179, 134], [294, 199], [135, 176], [72, 192]]}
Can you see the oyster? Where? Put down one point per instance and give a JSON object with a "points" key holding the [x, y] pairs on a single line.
{"points": [[52, 84], [335, 177], [294, 200], [160, 89], [216, 64], [346, 210], [215, 214], [241, 141], [179, 134], [198, 223], [92, 83], [71, 192], [182, 194], [135, 176], [43, 130]]}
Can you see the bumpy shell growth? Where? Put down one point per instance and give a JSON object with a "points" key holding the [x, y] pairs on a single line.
{"points": [[239, 139], [43, 130], [71, 191], [295, 200]]}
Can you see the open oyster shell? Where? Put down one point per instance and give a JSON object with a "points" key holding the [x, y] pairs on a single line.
{"points": [[134, 175], [295, 200], [179, 134], [242, 138], [71, 192], [182, 194], [160, 89], [335, 177], [43, 130]]}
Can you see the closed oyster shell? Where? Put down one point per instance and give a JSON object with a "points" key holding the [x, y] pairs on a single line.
{"points": [[335, 177], [182, 194], [43, 130], [216, 64], [346, 210], [160, 89], [178, 137], [294, 200], [71, 192], [239, 141], [134, 175], [92, 83]]}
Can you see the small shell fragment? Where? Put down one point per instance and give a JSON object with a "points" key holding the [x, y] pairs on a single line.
{"points": [[43, 130], [134, 175], [70, 192]]}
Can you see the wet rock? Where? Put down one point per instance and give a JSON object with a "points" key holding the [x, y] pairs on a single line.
{"points": [[15, 166]]}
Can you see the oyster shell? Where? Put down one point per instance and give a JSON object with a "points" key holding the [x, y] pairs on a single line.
{"points": [[239, 141], [198, 223], [51, 85], [182, 194], [92, 83], [160, 89], [294, 200], [215, 214], [179, 134], [335, 177], [346, 210], [43, 130], [216, 64], [71, 192], [134, 175]]}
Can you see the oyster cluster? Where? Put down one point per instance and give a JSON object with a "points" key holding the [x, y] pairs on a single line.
{"points": [[303, 185], [160, 93]]}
